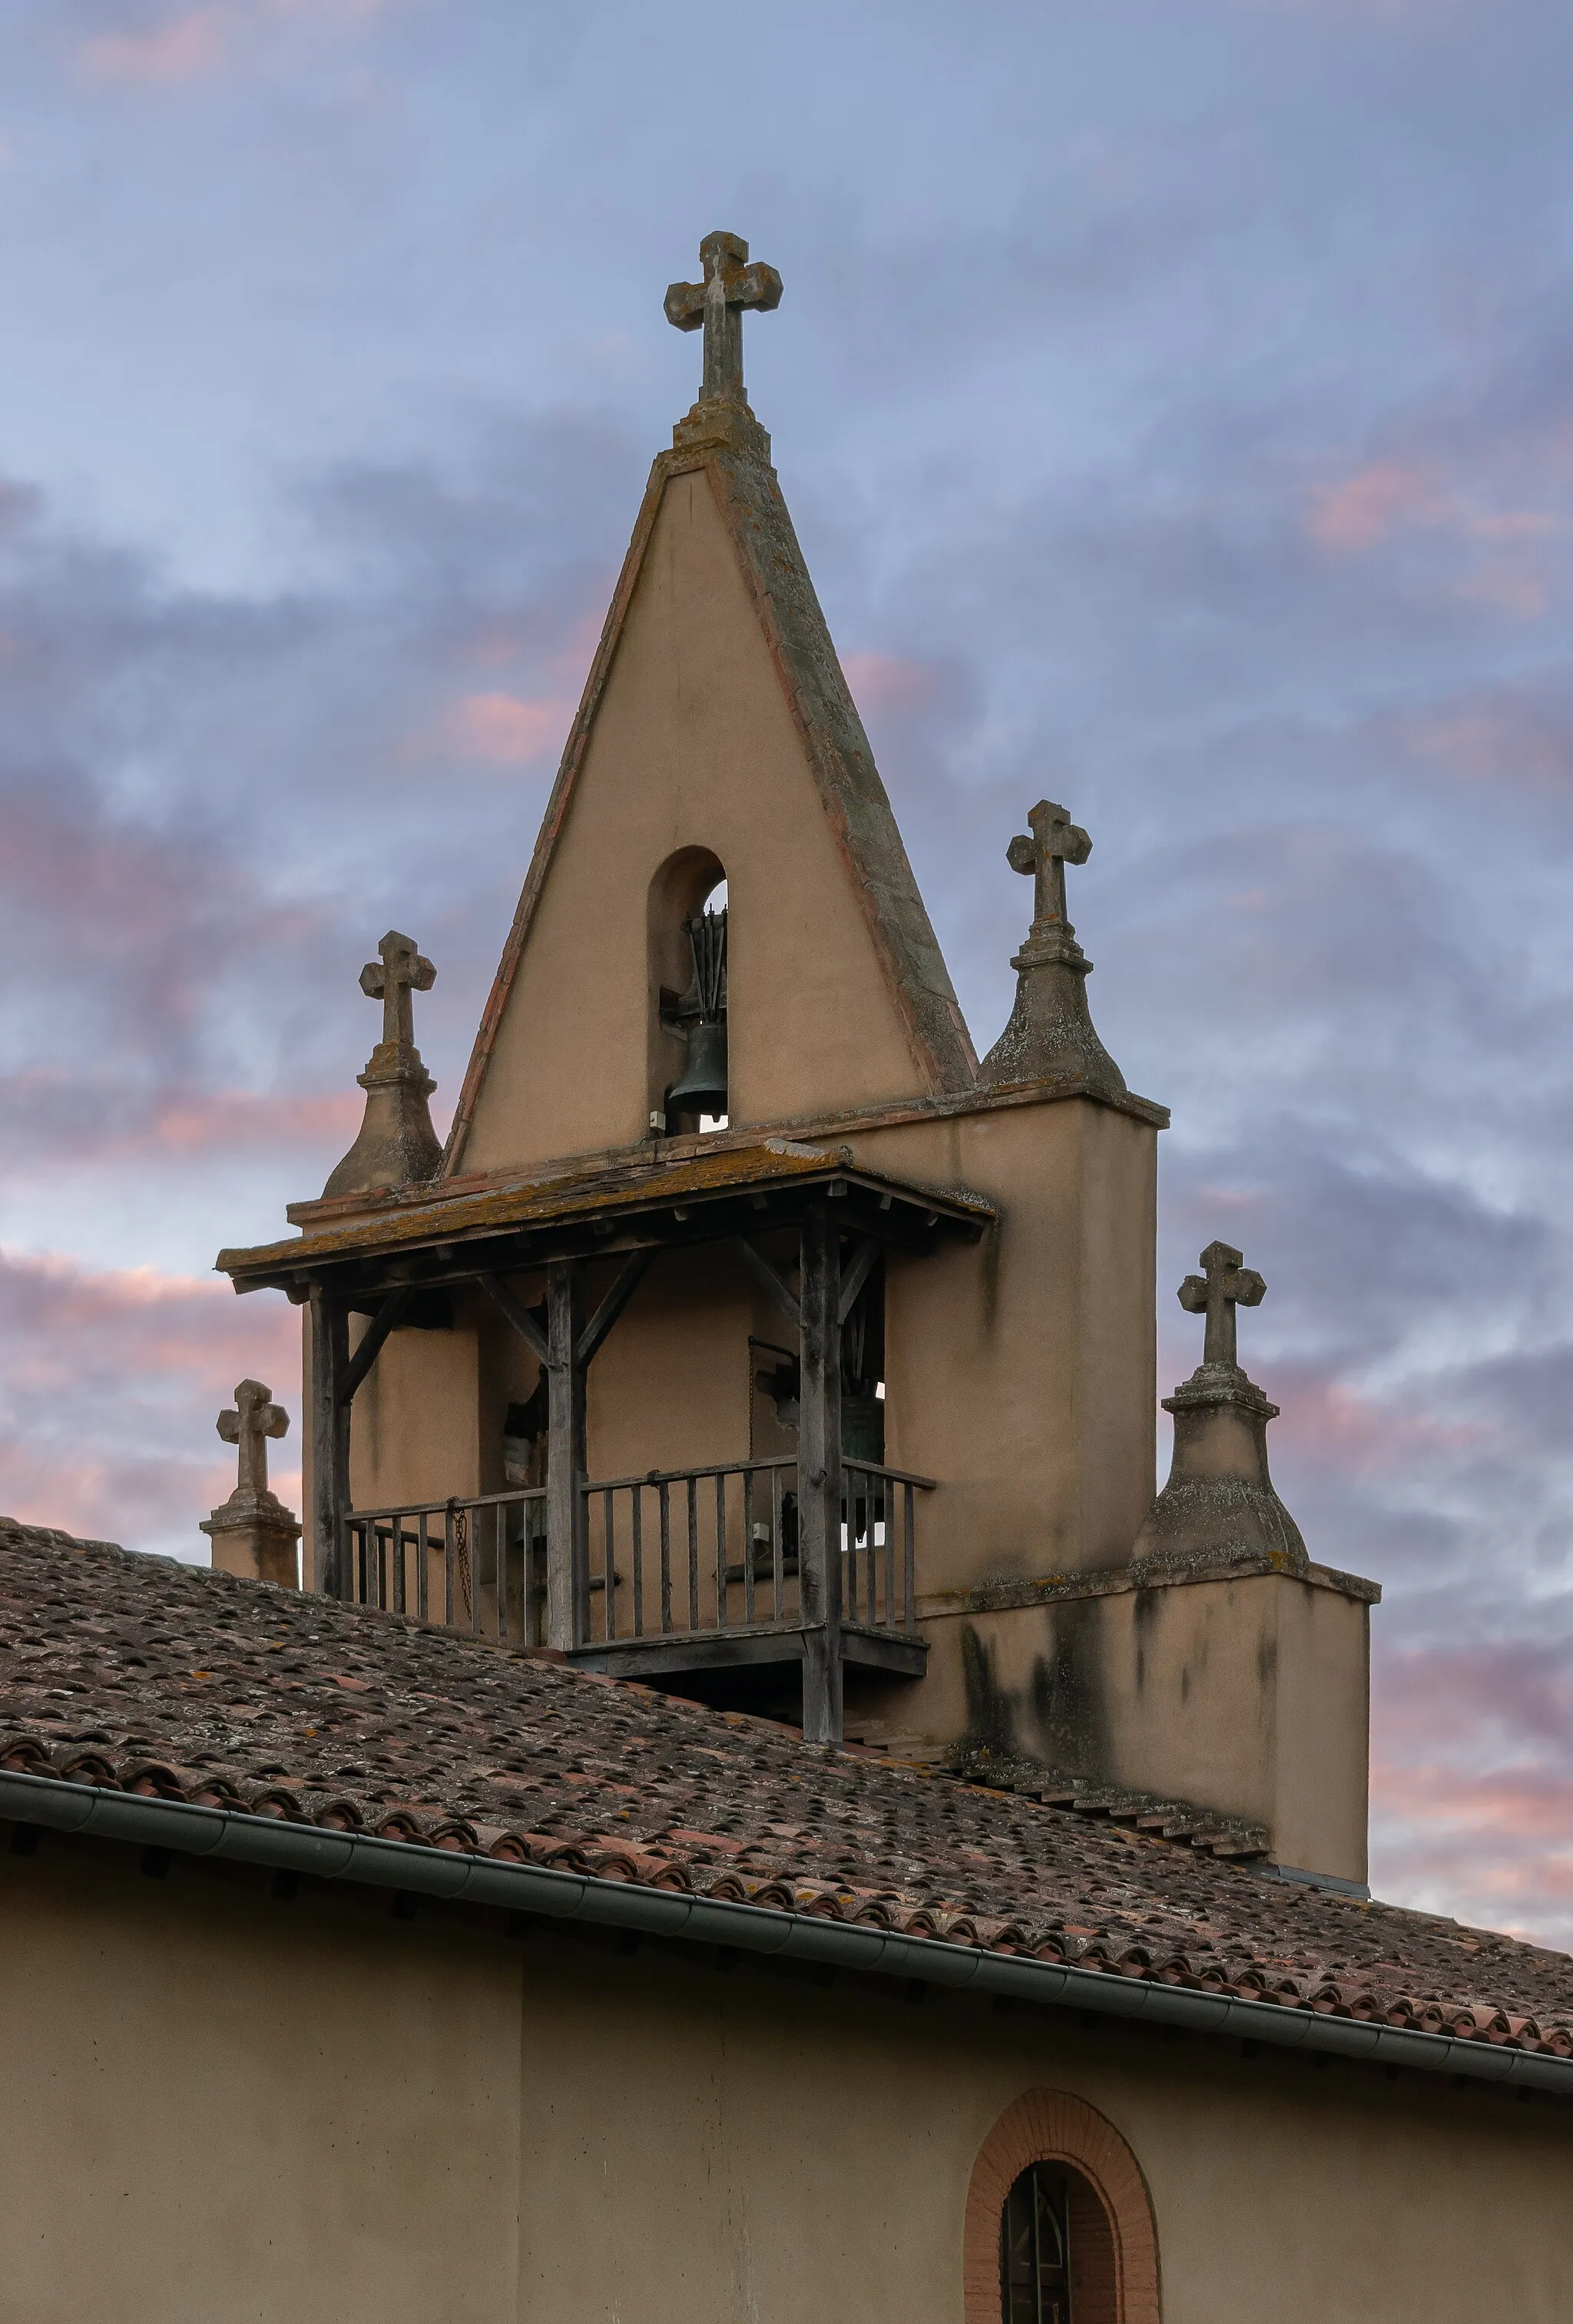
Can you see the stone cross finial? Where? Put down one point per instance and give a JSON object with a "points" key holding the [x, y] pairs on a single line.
{"points": [[1224, 1285], [399, 971], [730, 285], [255, 1418], [1054, 841]]}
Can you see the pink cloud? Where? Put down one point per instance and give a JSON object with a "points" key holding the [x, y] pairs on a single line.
{"points": [[1495, 739], [882, 681], [175, 49], [1490, 1848], [1507, 571], [507, 730], [192, 44], [1329, 1422], [112, 1382], [1363, 509], [58, 1111], [1472, 1782]]}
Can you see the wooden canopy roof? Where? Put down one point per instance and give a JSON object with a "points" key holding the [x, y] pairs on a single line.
{"points": [[705, 1198]]}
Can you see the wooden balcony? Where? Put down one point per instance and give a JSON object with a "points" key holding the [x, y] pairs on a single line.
{"points": [[810, 1229], [677, 1573]]}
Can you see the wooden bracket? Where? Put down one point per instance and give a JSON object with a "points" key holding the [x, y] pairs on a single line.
{"points": [[510, 1304], [625, 1283], [855, 1274], [384, 1321], [760, 1268]]}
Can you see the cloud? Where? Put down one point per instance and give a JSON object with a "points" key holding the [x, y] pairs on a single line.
{"points": [[110, 1382], [888, 683], [1473, 1813], [504, 732], [171, 49], [1364, 509], [188, 44]]}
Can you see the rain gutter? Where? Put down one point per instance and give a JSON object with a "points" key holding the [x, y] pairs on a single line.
{"points": [[456, 1877]]}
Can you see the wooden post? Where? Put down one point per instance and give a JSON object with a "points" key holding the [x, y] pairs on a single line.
{"points": [[819, 1477], [568, 1564], [330, 1444]]}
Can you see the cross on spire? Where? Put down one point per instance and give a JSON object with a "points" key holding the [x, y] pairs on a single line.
{"points": [[255, 1418], [1054, 841], [730, 285], [1224, 1285], [391, 979]]}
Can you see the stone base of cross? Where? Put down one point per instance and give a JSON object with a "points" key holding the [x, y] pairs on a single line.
{"points": [[1051, 1037], [1219, 1511], [253, 1533], [396, 1145]]}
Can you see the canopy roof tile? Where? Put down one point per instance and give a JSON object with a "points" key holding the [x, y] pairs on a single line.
{"points": [[627, 1196]]}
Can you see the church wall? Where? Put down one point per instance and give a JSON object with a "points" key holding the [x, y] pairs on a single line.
{"points": [[816, 2150], [415, 1431], [1323, 1743], [219, 2106], [669, 1389], [694, 746], [1022, 1369], [1248, 1696], [223, 2108]]}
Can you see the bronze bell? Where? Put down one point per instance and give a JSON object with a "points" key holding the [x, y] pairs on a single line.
{"points": [[703, 1088]]}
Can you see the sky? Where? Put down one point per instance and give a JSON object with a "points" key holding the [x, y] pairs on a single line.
{"points": [[1173, 399]]}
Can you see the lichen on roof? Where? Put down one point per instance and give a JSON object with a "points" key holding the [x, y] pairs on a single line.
{"points": [[140, 1672]]}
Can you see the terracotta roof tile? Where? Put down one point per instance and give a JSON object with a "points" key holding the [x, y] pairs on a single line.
{"points": [[468, 1747]]}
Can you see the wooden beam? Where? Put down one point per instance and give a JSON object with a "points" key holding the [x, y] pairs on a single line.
{"points": [[819, 1477], [567, 1565], [856, 1273], [626, 1282], [384, 1321], [330, 1444], [760, 1268], [511, 1305]]}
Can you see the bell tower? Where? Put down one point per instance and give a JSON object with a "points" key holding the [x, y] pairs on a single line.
{"points": [[748, 1338]]}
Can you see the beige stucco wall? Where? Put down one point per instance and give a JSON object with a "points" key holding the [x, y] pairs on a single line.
{"points": [[693, 747], [224, 2108], [1021, 1370], [1249, 1695]]}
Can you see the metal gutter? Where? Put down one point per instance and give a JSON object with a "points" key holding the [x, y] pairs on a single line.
{"points": [[459, 1878]]}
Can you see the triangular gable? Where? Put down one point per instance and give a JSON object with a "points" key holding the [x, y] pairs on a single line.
{"points": [[714, 573]]}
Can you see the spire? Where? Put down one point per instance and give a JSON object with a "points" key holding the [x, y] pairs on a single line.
{"points": [[715, 690], [1050, 1035], [1219, 1507], [398, 1146]]}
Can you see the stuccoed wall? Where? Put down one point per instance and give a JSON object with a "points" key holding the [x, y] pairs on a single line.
{"points": [[221, 2107]]}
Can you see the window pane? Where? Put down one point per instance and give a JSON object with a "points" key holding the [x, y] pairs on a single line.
{"points": [[1035, 2282]]}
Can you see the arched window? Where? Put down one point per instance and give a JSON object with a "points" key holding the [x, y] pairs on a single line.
{"points": [[1059, 2226], [1035, 2266]]}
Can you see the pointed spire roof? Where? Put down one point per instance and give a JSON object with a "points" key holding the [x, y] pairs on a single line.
{"points": [[721, 437]]}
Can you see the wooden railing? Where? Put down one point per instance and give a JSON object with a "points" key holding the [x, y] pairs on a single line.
{"points": [[715, 1550], [708, 1551], [477, 1566]]}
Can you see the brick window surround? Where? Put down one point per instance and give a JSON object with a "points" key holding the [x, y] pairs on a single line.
{"points": [[1113, 2244]]}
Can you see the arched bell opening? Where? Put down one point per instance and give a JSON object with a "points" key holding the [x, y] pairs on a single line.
{"points": [[688, 969]]}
